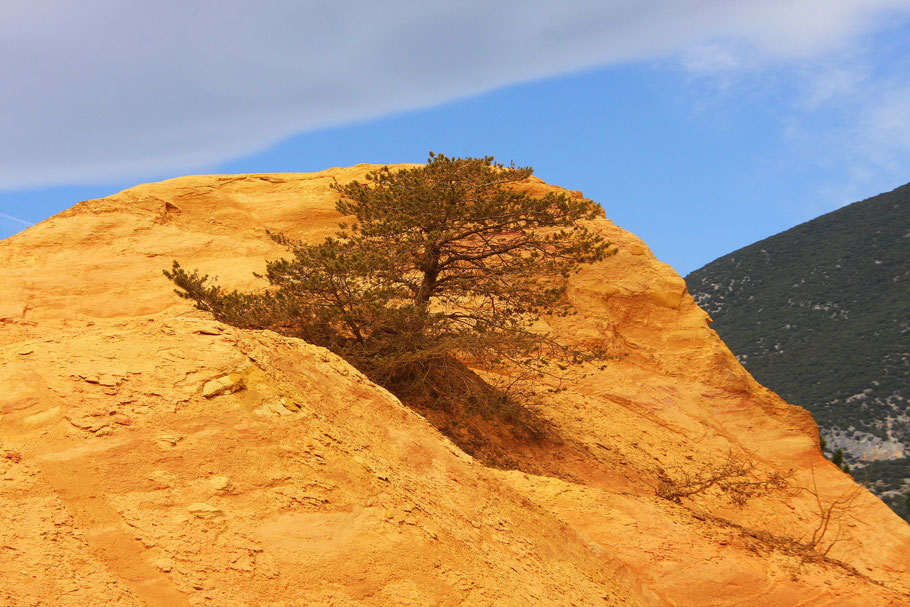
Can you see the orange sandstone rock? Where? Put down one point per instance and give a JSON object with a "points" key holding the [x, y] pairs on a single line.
{"points": [[161, 458]]}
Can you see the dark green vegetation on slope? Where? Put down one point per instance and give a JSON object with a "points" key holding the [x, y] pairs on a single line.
{"points": [[821, 315]]}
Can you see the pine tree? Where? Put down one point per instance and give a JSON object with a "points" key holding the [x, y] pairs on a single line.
{"points": [[442, 267], [838, 460]]}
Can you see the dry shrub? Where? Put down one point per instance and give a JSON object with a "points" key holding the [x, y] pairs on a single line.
{"points": [[734, 477], [831, 516]]}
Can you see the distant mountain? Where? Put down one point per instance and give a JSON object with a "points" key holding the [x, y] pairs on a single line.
{"points": [[821, 315]]}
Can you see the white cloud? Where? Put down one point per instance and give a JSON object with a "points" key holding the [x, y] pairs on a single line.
{"points": [[711, 59], [830, 83], [866, 142], [102, 90], [843, 111], [888, 121]]}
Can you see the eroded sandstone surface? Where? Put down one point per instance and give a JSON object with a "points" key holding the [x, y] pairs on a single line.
{"points": [[152, 456]]}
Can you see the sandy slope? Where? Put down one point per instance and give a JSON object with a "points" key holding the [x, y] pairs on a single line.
{"points": [[149, 455]]}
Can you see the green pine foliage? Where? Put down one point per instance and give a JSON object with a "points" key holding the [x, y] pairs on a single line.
{"points": [[838, 458], [440, 268]]}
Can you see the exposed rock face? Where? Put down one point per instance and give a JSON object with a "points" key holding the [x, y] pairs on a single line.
{"points": [[150, 456]]}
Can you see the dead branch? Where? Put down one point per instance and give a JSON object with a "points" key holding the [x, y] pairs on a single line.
{"points": [[734, 477]]}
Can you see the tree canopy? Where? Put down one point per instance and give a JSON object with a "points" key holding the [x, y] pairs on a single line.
{"points": [[438, 268]]}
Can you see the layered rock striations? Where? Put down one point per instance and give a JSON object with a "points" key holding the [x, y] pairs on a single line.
{"points": [[152, 456]]}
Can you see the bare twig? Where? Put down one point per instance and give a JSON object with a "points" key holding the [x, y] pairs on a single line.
{"points": [[735, 477]]}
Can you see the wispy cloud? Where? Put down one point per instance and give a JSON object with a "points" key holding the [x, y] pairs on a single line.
{"points": [[832, 83], [104, 89], [845, 111], [713, 59], [866, 105], [887, 121]]}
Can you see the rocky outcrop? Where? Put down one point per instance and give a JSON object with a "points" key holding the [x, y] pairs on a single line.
{"points": [[151, 456]]}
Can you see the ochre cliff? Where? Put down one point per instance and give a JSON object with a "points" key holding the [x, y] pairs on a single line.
{"points": [[152, 456]]}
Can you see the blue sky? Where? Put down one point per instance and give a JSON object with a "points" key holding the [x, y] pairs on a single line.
{"points": [[701, 129]]}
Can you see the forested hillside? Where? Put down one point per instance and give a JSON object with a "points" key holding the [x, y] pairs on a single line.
{"points": [[821, 314]]}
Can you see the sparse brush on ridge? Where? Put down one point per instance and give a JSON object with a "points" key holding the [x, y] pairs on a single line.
{"points": [[734, 477], [444, 267]]}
